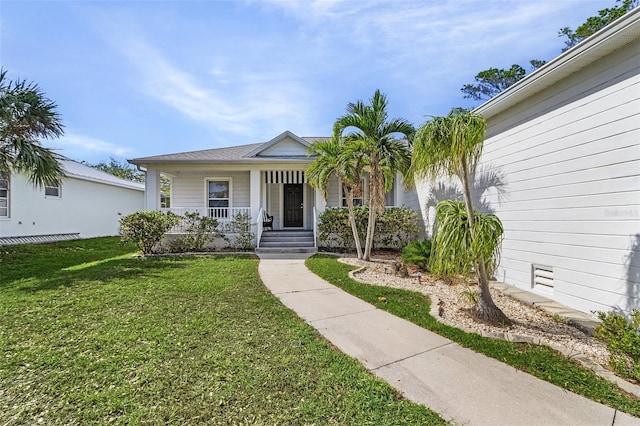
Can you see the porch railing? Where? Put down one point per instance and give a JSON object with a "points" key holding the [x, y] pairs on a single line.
{"points": [[224, 215]]}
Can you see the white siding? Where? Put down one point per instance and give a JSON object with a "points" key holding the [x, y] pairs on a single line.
{"points": [[274, 204], [570, 156], [189, 188], [285, 147], [91, 209]]}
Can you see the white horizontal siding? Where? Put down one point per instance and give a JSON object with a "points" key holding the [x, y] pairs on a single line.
{"points": [[190, 189], [570, 157], [285, 147]]}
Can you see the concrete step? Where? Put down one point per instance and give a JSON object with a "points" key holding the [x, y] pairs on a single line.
{"points": [[286, 250], [300, 233], [286, 239], [286, 243], [298, 241]]}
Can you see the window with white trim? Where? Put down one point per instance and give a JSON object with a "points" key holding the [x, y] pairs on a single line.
{"points": [[358, 195], [52, 191], [219, 197], [4, 195]]}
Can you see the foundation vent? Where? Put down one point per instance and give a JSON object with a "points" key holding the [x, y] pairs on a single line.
{"points": [[542, 277]]}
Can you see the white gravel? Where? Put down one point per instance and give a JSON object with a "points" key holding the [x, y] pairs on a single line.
{"points": [[452, 304]]}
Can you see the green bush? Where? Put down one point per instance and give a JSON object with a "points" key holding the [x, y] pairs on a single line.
{"points": [[417, 253], [199, 230], [146, 229], [241, 226], [622, 336], [395, 227]]}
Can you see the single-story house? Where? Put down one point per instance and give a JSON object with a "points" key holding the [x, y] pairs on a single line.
{"points": [[561, 168], [565, 141], [87, 203], [254, 180]]}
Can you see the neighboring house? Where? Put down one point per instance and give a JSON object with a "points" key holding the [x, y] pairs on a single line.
{"points": [[87, 203], [249, 179], [565, 141]]}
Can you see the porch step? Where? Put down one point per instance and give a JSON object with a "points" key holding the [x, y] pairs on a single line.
{"points": [[279, 240], [286, 250]]}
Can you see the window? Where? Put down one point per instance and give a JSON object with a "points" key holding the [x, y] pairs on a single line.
{"points": [[52, 191], [219, 197], [4, 195], [358, 198]]}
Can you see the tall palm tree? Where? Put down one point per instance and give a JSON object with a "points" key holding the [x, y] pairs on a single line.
{"points": [[452, 146], [26, 115], [330, 162], [373, 137]]}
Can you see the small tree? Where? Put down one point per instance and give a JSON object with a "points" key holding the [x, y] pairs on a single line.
{"points": [[373, 137], [146, 228], [452, 146], [331, 161]]}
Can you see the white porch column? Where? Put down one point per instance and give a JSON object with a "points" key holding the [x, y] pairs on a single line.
{"points": [[399, 190], [254, 194], [152, 190], [320, 202]]}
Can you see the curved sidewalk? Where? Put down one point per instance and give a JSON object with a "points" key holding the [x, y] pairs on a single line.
{"points": [[461, 385]]}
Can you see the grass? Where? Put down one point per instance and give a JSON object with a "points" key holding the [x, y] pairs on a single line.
{"points": [[540, 361], [91, 335]]}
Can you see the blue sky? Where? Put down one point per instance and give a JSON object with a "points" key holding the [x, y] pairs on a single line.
{"points": [[139, 78]]}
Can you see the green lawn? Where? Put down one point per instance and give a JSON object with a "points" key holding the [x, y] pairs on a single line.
{"points": [[540, 361], [91, 335]]}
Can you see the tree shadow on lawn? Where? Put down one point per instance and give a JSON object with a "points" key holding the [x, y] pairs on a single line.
{"points": [[37, 260], [32, 268]]}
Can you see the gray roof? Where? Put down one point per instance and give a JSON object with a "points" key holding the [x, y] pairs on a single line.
{"points": [[80, 171], [240, 153]]}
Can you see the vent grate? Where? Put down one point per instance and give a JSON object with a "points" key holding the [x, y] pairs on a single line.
{"points": [[542, 277]]}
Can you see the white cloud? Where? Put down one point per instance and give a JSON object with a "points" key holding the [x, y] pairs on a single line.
{"points": [[244, 102], [85, 143]]}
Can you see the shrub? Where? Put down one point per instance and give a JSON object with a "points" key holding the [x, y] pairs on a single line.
{"points": [[146, 229], [395, 227], [622, 336], [417, 253], [241, 226], [199, 230]]}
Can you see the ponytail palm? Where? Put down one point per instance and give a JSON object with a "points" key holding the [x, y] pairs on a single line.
{"points": [[451, 146], [373, 138], [26, 115], [331, 161]]}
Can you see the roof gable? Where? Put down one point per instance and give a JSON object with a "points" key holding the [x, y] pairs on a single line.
{"points": [[285, 144]]}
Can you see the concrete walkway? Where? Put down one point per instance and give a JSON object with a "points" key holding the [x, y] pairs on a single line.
{"points": [[463, 386]]}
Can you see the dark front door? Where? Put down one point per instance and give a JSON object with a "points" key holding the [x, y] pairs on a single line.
{"points": [[292, 205]]}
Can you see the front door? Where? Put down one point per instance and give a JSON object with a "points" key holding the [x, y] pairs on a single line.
{"points": [[293, 206]]}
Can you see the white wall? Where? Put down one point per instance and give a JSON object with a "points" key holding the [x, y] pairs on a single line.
{"points": [[89, 208], [189, 188], [570, 156]]}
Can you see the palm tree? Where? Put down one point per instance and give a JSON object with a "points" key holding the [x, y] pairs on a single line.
{"points": [[373, 139], [452, 146], [25, 116], [330, 162]]}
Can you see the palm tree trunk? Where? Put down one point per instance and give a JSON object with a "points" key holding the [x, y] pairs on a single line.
{"points": [[371, 225], [352, 221], [485, 310]]}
